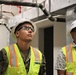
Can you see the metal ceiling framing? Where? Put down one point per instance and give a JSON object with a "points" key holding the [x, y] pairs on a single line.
{"points": [[47, 14]]}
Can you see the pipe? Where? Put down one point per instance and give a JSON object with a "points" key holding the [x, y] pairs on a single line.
{"points": [[48, 15], [5, 26], [19, 3]]}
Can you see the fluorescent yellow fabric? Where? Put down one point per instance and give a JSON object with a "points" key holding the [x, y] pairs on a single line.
{"points": [[20, 69], [70, 66]]}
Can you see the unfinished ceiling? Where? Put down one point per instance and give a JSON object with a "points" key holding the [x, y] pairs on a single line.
{"points": [[12, 10]]}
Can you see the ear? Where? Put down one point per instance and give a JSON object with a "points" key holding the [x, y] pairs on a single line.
{"points": [[17, 34]]}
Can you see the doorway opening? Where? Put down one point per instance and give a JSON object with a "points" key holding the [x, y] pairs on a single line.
{"points": [[46, 46]]}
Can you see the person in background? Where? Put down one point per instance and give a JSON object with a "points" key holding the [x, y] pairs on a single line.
{"points": [[20, 58], [66, 60]]}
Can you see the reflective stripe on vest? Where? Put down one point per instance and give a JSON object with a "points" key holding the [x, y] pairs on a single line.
{"points": [[69, 57], [36, 54], [13, 56], [15, 59]]}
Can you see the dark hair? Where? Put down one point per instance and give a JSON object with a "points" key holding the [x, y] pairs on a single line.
{"points": [[73, 30], [22, 24]]}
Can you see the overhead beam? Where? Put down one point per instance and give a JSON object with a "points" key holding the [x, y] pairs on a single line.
{"points": [[47, 14]]}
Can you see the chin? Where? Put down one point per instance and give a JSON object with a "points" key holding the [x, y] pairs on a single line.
{"points": [[29, 40]]}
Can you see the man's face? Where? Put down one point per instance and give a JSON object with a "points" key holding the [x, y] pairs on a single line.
{"points": [[25, 33]]}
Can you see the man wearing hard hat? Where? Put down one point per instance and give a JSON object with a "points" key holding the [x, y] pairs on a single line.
{"points": [[66, 60], [21, 58]]}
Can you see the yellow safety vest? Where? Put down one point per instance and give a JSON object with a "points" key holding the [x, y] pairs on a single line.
{"points": [[70, 54], [16, 65]]}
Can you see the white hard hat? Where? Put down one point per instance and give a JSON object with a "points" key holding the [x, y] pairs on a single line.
{"points": [[73, 25], [16, 24]]}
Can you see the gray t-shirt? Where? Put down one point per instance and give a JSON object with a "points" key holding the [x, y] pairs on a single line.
{"points": [[60, 61]]}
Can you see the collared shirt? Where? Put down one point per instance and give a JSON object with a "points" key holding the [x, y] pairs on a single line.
{"points": [[26, 59], [60, 61]]}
